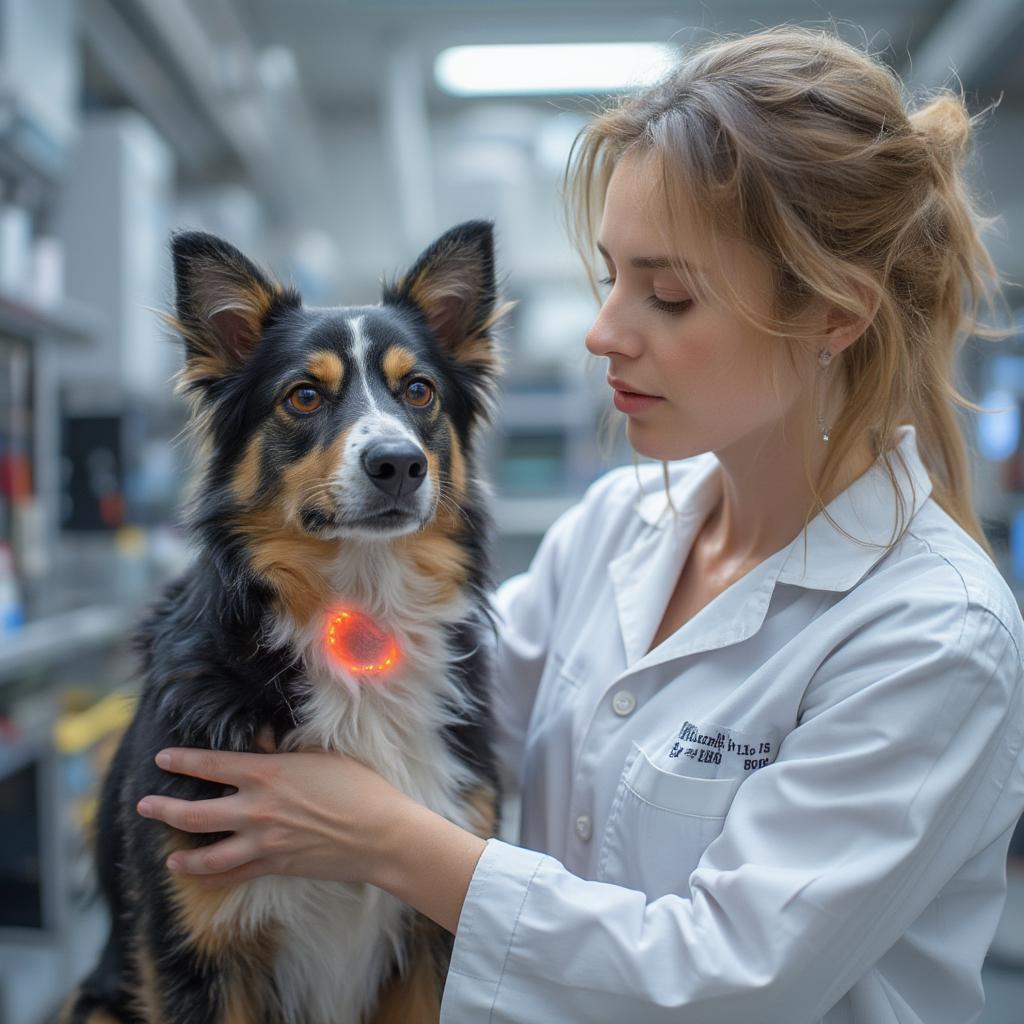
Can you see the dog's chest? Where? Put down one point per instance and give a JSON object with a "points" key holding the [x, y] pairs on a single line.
{"points": [[337, 940]]}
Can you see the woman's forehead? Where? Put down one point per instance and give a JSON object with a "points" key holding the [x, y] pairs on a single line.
{"points": [[636, 220], [638, 224], [634, 194]]}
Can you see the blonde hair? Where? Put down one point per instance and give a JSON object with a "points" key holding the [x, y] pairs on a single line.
{"points": [[801, 146]]}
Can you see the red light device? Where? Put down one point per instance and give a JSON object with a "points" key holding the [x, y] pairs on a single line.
{"points": [[358, 643]]}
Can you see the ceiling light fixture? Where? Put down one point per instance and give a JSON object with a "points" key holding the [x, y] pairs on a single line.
{"points": [[546, 68]]}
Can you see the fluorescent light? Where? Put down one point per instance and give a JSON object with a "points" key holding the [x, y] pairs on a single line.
{"points": [[544, 68]]}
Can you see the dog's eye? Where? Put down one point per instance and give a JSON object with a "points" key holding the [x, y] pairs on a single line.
{"points": [[419, 393], [304, 399]]}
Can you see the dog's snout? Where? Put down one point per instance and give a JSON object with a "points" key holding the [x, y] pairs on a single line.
{"points": [[396, 467]]}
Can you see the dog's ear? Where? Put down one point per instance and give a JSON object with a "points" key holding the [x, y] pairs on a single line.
{"points": [[452, 283], [223, 302]]}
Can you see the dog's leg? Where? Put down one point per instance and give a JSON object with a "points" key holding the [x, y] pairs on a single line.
{"points": [[101, 997], [415, 996], [230, 973]]}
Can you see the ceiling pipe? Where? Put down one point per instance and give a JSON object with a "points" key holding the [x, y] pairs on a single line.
{"points": [[133, 70], [256, 105], [964, 41]]}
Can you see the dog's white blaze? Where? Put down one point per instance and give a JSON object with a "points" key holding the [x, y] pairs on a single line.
{"points": [[359, 355], [338, 938]]}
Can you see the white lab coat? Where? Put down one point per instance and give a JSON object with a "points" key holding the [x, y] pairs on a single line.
{"points": [[795, 809]]}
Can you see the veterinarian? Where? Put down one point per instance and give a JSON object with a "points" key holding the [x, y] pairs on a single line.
{"points": [[768, 773]]}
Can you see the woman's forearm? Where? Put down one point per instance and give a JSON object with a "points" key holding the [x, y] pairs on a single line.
{"points": [[427, 862]]}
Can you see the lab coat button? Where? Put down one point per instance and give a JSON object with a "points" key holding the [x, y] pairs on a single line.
{"points": [[583, 826], [623, 702]]}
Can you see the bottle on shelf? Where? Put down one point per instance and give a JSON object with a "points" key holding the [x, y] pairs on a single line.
{"points": [[11, 612]]}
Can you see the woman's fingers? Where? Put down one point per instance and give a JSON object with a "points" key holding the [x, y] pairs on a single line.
{"points": [[253, 869], [216, 815], [225, 856], [227, 766]]}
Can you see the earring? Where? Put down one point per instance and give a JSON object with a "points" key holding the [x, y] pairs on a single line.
{"points": [[824, 358]]}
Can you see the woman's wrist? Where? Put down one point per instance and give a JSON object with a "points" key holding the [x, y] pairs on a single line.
{"points": [[427, 861]]}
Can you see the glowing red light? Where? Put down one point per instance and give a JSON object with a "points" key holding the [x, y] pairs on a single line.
{"points": [[360, 644]]}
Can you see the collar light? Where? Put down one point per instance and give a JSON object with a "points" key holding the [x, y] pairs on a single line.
{"points": [[358, 643]]}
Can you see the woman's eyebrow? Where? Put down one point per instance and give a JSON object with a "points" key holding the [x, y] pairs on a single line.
{"points": [[652, 262]]}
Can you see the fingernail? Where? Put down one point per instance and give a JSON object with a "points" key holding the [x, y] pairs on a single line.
{"points": [[164, 760], [145, 809], [173, 863]]}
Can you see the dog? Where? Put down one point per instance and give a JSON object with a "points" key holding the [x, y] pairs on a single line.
{"points": [[339, 596]]}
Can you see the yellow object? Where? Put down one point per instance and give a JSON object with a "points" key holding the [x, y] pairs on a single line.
{"points": [[76, 732], [130, 540]]}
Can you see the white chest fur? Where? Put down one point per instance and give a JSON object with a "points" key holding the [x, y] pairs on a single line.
{"points": [[338, 939]]}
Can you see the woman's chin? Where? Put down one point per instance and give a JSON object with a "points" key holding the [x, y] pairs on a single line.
{"points": [[649, 445]]}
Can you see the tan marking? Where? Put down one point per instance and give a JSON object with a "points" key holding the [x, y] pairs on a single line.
{"points": [[242, 1003], [480, 352], [441, 294], [282, 554], [247, 473], [436, 557], [101, 1017], [328, 368], [197, 908], [148, 1004], [397, 362], [245, 961], [227, 294], [415, 997], [289, 562], [482, 804], [457, 468], [244, 305], [201, 367], [249, 995]]}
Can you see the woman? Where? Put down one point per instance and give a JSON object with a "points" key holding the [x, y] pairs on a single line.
{"points": [[766, 720]]}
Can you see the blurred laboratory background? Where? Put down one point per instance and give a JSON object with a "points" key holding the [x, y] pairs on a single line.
{"points": [[331, 140]]}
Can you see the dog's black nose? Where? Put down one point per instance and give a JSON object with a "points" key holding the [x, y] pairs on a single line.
{"points": [[396, 467]]}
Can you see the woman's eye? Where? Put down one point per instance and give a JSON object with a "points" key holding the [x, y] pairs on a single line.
{"points": [[670, 307], [419, 393], [305, 399], [662, 305]]}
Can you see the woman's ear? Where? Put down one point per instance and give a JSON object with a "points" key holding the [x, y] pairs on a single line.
{"points": [[843, 327], [222, 303]]}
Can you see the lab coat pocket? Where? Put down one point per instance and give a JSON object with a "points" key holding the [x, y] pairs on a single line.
{"points": [[659, 825]]}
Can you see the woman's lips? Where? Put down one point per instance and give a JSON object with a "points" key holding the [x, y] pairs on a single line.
{"points": [[631, 401]]}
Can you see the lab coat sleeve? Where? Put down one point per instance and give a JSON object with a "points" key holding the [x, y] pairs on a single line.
{"points": [[908, 734]]}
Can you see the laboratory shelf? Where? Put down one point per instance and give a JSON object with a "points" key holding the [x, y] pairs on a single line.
{"points": [[62, 636], [69, 321]]}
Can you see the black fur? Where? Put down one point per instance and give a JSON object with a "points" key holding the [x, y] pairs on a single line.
{"points": [[205, 682]]}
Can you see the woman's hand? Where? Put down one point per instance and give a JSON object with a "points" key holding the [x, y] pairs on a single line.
{"points": [[310, 813]]}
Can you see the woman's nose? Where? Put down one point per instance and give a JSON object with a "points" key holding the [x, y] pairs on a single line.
{"points": [[609, 334]]}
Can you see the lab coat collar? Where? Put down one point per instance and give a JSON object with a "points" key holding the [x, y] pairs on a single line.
{"points": [[645, 575], [866, 509]]}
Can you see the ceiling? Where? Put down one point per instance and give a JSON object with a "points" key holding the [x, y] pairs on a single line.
{"points": [[339, 43], [280, 94]]}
